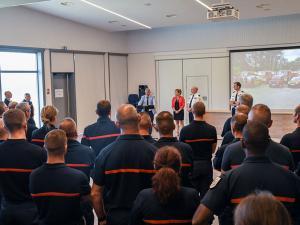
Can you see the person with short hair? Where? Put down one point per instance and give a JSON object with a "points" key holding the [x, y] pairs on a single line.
{"points": [[246, 99], [202, 137], [193, 98], [257, 172], [12, 105], [58, 190], [122, 170], [27, 98], [178, 104], [167, 202], [3, 131], [292, 140], [145, 126], [261, 208], [166, 126], [147, 103], [8, 97], [49, 119], [234, 100], [25, 107], [17, 160], [100, 134]]}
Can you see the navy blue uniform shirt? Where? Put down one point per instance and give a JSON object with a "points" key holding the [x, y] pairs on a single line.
{"points": [[226, 127], [57, 191], [30, 128], [292, 141], [100, 134], [39, 135], [179, 210], [228, 137], [149, 138]]}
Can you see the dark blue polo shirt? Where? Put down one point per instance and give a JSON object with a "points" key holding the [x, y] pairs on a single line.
{"points": [[292, 141], [234, 155], [39, 135], [226, 127], [30, 128], [57, 191], [179, 210], [187, 157], [80, 157], [228, 137], [100, 134], [149, 138], [255, 174], [17, 160], [124, 168]]}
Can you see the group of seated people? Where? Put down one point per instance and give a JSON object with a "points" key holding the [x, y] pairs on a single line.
{"points": [[45, 173]]}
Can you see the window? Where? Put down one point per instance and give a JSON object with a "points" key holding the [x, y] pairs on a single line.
{"points": [[20, 73]]}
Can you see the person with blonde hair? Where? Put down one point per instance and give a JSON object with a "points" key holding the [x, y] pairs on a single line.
{"points": [[49, 117]]}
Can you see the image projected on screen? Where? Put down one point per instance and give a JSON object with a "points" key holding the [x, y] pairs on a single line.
{"points": [[271, 76]]}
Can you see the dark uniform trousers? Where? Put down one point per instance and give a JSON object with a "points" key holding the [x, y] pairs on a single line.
{"points": [[202, 176], [191, 117]]}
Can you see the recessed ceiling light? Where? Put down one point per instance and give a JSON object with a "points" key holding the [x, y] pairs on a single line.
{"points": [[203, 4], [123, 25], [263, 5], [112, 21], [267, 9], [171, 15], [147, 4], [66, 3], [114, 13]]}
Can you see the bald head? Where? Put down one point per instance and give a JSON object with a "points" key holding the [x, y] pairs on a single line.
{"points": [[145, 122], [243, 109], [128, 118], [261, 113], [68, 125]]}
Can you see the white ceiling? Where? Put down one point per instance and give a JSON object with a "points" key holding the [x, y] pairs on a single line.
{"points": [[9, 3], [187, 11]]}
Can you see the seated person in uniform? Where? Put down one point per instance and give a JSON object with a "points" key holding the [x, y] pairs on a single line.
{"points": [[122, 170], [100, 134], [167, 202], [261, 209], [17, 159], [256, 173], [166, 127], [145, 127], [202, 137], [49, 117], [58, 190], [3, 131], [292, 140], [25, 107], [234, 153], [238, 121]]}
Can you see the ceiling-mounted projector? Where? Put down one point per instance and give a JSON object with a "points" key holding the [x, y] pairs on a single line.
{"points": [[223, 12]]}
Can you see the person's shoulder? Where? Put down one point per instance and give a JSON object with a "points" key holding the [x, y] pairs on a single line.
{"points": [[146, 193], [37, 171], [279, 147], [184, 146], [90, 127], [189, 191], [237, 146]]}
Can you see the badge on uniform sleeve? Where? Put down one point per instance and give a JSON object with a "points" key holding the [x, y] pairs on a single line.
{"points": [[215, 182]]}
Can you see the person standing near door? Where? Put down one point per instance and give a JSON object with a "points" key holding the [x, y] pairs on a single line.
{"points": [[8, 96], [178, 104], [194, 97], [147, 103], [234, 100]]}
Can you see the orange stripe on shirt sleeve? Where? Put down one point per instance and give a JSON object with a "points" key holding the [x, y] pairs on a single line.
{"points": [[199, 140], [129, 171], [55, 194], [295, 150], [78, 165], [102, 136], [16, 170], [38, 140], [279, 198]]}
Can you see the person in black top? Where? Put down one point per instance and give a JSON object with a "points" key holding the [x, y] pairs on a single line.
{"points": [[58, 190], [17, 159], [103, 132], [238, 122], [3, 131], [166, 127], [292, 140], [167, 202], [256, 173], [27, 98], [145, 126], [122, 170], [202, 137], [8, 96], [49, 117], [24, 106], [234, 154]]}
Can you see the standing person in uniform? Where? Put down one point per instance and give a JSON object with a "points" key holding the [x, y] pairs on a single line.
{"points": [[202, 137], [178, 104], [24, 106], [58, 190], [234, 100], [49, 118], [165, 125], [8, 97], [167, 202], [147, 102], [27, 98], [145, 126], [292, 140], [100, 134], [256, 173], [122, 170], [17, 159], [194, 97]]}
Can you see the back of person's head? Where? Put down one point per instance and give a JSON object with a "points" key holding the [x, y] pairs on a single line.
{"points": [[261, 209], [165, 123], [68, 125], [166, 182], [3, 108], [243, 109], [256, 137], [24, 107], [238, 121], [145, 122], [297, 114], [14, 120], [261, 113], [3, 131], [198, 109], [127, 117], [56, 142], [48, 114], [246, 99], [103, 108], [12, 105]]}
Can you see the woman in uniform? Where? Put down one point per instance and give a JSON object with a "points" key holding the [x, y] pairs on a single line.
{"points": [[166, 202], [178, 104]]}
